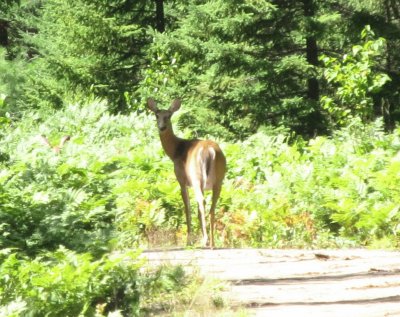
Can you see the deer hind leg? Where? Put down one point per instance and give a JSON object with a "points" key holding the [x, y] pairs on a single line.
{"points": [[215, 195], [199, 194], [186, 202]]}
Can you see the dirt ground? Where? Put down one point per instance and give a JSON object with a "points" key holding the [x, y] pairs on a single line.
{"points": [[299, 282]]}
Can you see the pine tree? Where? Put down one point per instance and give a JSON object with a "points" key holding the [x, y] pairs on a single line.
{"points": [[6, 7], [95, 45], [250, 63]]}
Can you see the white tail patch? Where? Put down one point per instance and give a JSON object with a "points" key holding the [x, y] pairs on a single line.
{"points": [[212, 152], [211, 173], [206, 161]]}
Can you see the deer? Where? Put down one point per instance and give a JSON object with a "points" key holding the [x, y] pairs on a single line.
{"points": [[56, 148], [199, 164]]}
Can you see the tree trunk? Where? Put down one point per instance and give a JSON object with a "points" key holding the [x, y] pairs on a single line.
{"points": [[160, 19], [312, 52], [315, 120], [3, 33]]}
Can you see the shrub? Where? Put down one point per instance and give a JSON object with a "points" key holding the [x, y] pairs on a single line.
{"points": [[113, 187], [65, 283]]}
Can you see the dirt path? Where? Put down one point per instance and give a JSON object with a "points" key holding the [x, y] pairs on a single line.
{"points": [[300, 282]]}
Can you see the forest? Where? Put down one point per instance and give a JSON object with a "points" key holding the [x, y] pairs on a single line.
{"points": [[302, 96]]}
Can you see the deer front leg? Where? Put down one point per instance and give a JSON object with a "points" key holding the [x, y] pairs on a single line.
{"points": [[186, 202]]}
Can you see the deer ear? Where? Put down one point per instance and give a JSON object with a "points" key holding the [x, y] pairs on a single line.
{"points": [[151, 104], [175, 105], [64, 139]]}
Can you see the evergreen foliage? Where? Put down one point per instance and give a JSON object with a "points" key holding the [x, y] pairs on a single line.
{"points": [[240, 65], [304, 108]]}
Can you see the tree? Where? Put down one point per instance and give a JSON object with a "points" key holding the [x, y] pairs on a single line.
{"points": [[239, 65], [384, 19], [95, 45], [311, 49], [249, 63], [356, 80], [222, 62], [5, 6], [84, 47], [315, 118], [160, 19]]}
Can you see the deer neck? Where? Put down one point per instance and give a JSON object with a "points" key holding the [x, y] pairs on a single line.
{"points": [[169, 142]]}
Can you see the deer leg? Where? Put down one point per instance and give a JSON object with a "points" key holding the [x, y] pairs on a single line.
{"points": [[215, 196], [186, 202], [202, 212]]}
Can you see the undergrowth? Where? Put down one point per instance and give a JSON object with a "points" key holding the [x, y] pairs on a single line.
{"points": [[112, 189]]}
